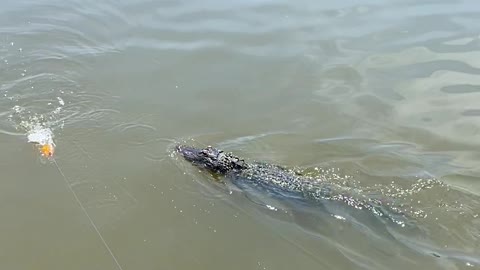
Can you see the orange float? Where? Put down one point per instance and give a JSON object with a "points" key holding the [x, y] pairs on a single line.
{"points": [[47, 150]]}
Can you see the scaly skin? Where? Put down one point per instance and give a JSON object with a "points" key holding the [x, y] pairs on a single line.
{"points": [[281, 181]]}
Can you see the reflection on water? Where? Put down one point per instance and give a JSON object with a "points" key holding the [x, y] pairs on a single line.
{"points": [[380, 98]]}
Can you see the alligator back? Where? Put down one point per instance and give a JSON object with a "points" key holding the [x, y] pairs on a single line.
{"points": [[279, 182]]}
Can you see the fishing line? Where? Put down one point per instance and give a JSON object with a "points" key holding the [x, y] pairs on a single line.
{"points": [[87, 215]]}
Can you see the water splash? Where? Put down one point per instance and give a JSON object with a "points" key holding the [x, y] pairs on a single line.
{"points": [[40, 135], [38, 126]]}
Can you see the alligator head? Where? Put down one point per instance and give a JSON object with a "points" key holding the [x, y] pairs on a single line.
{"points": [[211, 159]]}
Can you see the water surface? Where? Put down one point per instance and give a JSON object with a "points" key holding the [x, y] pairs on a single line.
{"points": [[382, 96]]}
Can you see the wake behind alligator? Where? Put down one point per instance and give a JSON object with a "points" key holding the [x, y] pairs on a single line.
{"points": [[282, 182]]}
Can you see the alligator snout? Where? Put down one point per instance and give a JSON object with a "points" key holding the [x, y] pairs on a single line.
{"points": [[189, 153]]}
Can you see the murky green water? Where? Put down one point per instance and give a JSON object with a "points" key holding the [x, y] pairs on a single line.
{"points": [[375, 96]]}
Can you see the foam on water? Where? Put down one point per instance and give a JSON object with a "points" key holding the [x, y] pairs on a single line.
{"points": [[38, 127], [40, 135]]}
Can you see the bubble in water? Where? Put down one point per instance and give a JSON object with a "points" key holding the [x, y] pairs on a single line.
{"points": [[57, 110], [40, 135], [271, 207], [61, 101], [17, 109]]}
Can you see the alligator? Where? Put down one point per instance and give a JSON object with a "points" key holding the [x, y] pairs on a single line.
{"points": [[280, 181]]}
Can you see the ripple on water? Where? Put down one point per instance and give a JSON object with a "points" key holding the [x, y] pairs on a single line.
{"points": [[404, 74], [433, 206], [43, 84], [440, 212]]}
